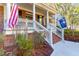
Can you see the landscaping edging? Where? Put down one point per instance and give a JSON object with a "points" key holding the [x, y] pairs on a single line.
{"points": [[74, 38]]}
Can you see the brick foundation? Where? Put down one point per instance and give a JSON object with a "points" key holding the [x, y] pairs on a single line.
{"points": [[56, 39], [9, 45]]}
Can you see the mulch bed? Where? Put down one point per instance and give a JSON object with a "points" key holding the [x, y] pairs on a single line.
{"points": [[43, 50], [40, 49], [72, 38]]}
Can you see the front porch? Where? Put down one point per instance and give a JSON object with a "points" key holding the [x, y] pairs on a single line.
{"points": [[38, 21]]}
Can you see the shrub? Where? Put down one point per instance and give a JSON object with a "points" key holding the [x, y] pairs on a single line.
{"points": [[38, 39], [1, 52], [70, 32], [1, 38], [24, 44], [58, 27]]}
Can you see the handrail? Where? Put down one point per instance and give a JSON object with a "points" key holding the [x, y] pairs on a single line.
{"points": [[55, 28], [46, 32], [41, 26], [30, 21]]}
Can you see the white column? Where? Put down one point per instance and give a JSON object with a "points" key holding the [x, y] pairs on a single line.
{"points": [[34, 16], [50, 29], [8, 9], [55, 24], [51, 35], [47, 20]]}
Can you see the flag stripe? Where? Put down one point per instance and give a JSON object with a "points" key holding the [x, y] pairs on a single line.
{"points": [[16, 17], [15, 21], [13, 16]]}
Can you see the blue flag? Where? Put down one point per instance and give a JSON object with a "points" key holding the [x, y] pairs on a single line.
{"points": [[62, 22]]}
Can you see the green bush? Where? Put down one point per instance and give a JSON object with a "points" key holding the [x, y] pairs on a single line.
{"points": [[70, 32], [38, 39], [58, 27], [23, 42], [76, 32], [25, 45], [1, 52], [1, 38]]}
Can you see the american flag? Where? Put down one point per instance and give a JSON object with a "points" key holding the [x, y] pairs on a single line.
{"points": [[14, 16]]}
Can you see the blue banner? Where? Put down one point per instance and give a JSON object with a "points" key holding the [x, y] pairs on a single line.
{"points": [[62, 22]]}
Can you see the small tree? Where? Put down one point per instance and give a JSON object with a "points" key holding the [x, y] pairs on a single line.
{"points": [[70, 12]]}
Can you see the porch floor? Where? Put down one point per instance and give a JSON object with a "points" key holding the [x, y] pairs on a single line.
{"points": [[66, 48]]}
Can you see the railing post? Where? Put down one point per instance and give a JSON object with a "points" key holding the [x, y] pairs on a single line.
{"points": [[34, 19], [50, 30], [47, 19], [63, 35], [51, 39]]}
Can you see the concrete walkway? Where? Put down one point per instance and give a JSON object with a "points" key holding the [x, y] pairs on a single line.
{"points": [[66, 48]]}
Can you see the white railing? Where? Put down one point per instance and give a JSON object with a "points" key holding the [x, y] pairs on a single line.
{"points": [[39, 28], [43, 30], [30, 24], [56, 31]]}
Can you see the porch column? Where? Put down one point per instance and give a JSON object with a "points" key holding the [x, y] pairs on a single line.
{"points": [[47, 19], [34, 19], [51, 35], [55, 24], [50, 29], [8, 8]]}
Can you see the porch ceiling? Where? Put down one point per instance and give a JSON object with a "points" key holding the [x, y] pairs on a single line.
{"points": [[50, 7]]}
